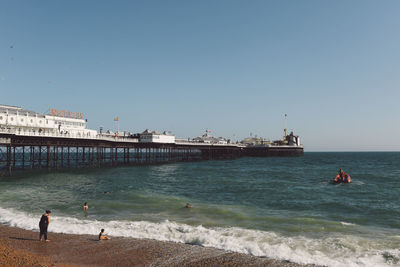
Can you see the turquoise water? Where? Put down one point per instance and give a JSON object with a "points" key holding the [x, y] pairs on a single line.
{"points": [[277, 207]]}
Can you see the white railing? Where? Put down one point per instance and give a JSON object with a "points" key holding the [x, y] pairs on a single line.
{"points": [[53, 134], [206, 144], [7, 131], [67, 135], [117, 139]]}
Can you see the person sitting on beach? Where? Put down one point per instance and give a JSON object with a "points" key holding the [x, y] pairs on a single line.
{"points": [[342, 177], [85, 206], [102, 236], [43, 225], [188, 206]]}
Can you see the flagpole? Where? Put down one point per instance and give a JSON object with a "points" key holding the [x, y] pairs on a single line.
{"points": [[116, 119], [285, 127]]}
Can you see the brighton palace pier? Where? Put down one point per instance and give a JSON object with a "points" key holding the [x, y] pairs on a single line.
{"points": [[60, 139]]}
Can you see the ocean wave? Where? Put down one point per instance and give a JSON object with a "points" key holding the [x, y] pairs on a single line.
{"points": [[329, 251], [347, 224]]}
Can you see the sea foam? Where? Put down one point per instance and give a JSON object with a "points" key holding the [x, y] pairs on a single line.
{"points": [[330, 251], [347, 224]]}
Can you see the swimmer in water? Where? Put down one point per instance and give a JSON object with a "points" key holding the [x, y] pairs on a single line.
{"points": [[188, 206], [85, 206]]}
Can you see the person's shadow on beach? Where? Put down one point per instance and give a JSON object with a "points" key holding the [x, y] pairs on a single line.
{"points": [[22, 238]]}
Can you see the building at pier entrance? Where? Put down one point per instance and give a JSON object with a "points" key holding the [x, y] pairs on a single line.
{"points": [[59, 123]]}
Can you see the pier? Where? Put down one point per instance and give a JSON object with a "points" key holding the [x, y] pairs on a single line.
{"points": [[42, 152], [61, 140], [26, 152]]}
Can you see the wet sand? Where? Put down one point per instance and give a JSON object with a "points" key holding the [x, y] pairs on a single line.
{"points": [[22, 248]]}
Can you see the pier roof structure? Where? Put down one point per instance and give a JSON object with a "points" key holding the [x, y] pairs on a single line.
{"points": [[14, 110]]}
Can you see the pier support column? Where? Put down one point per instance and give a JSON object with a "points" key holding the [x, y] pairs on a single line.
{"points": [[111, 156], [128, 156], [40, 156], [83, 156], [13, 157], [62, 157], [9, 159], [55, 158], [23, 157], [31, 156], [92, 163], [89, 156], [68, 157], [48, 157], [98, 156], [77, 157]]}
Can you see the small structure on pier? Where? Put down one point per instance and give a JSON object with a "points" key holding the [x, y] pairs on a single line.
{"points": [[293, 140], [209, 139], [253, 141], [155, 137]]}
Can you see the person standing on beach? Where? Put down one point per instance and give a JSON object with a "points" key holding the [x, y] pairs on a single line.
{"points": [[44, 224]]}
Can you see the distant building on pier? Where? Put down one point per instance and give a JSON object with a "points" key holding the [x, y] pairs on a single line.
{"points": [[155, 137], [288, 140], [209, 139]]}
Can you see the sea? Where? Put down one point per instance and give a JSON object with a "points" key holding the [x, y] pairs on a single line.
{"points": [[279, 207]]}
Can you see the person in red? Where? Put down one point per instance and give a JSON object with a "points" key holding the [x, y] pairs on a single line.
{"points": [[342, 177]]}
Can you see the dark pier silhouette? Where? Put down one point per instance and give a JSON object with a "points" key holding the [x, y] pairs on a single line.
{"points": [[18, 152]]}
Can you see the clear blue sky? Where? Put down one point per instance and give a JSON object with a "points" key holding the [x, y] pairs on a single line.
{"points": [[233, 67]]}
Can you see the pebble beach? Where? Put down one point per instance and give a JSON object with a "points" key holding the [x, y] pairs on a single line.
{"points": [[21, 248]]}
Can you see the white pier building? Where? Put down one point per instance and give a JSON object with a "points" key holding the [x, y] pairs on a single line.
{"points": [[155, 137], [58, 123]]}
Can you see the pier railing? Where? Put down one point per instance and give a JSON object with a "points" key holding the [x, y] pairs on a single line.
{"points": [[68, 135], [103, 137]]}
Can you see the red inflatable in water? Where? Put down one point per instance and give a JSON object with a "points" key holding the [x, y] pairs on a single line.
{"points": [[342, 177]]}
